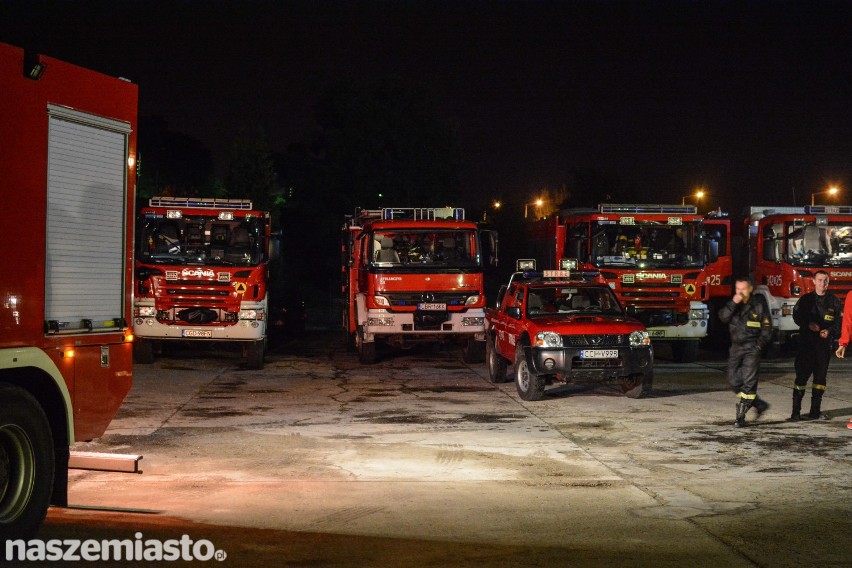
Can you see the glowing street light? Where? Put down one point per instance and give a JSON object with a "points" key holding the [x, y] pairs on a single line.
{"points": [[697, 195], [497, 204], [538, 203], [831, 191]]}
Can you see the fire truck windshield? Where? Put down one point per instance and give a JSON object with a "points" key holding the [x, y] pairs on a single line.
{"points": [[810, 244], [646, 244], [201, 240], [424, 248]]}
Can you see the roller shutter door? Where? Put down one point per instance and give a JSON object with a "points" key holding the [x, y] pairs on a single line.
{"points": [[86, 204]]}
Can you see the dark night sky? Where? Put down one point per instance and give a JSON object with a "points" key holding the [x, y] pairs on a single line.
{"points": [[750, 99]]}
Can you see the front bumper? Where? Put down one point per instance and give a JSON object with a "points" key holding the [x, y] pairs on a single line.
{"points": [[567, 361], [385, 323]]}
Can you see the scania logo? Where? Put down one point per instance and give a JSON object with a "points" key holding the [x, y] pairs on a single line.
{"points": [[428, 297], [651, 275], [197, 272], [841, 274]]}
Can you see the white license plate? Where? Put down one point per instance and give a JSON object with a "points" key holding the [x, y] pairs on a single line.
{"points": [[432, 307], [197, 333], [657, 332], [599, 354]]}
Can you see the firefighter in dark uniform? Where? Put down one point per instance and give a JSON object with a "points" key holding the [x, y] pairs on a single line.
{"points": [[750, 326], [818, 315]]}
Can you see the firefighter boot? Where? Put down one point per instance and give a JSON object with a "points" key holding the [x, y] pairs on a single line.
{"points": [[816, 402], [760, 405], [798, 395], [742, 408]]}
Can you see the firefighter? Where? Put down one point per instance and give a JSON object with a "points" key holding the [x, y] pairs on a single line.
{"points": [[845, 333], [818, 316], [750, 327]]}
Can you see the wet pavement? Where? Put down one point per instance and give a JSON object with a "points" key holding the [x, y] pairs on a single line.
{"points": [[419, 461]]}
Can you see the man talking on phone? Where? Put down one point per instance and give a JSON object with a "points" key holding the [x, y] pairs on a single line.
{"points": [[750, 326]]}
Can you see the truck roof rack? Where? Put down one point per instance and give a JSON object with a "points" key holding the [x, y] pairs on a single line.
{"points": [[647, 208], [200, 202], [411, 214]]}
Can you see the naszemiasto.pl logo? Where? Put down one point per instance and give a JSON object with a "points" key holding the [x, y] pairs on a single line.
{"points": [[136, 549]]}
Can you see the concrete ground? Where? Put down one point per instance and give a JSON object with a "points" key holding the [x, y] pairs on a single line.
{"points": [[419, 461]]}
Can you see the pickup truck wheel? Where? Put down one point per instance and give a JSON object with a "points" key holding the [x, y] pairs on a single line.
{"points": [[530, 386], [366, 351], [474, 351], [497, 366], [26, 463], [638, 385], [255, 352], [143, 351]]}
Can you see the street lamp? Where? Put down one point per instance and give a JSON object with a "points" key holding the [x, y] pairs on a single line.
{"points": [[697, 195], [831, 191], [538, 203]]}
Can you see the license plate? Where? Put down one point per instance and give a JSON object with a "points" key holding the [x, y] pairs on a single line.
{"points": [[432, 307], [657, 332], [197, 333], [599, 354]]}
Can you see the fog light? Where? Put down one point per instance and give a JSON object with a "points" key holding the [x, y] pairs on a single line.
{"points": [[146, 311], [549, 364]]}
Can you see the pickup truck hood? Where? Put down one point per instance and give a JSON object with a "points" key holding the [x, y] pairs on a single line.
{"points": [[587, 323]]}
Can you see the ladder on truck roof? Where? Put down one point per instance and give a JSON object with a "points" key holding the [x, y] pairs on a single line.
{"points": [[647, 208], [200, 202]]}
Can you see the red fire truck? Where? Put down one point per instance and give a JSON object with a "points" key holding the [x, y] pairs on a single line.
{"points": [[201, 275], [787, 245], [413, 275], [652, 256], [67, 165]]}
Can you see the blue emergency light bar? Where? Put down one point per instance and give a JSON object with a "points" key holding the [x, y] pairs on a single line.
{"points": [[828, 209], [200, 203], [423, 213], [647, 208]]}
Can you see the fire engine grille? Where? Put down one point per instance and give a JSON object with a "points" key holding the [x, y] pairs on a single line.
{"points": [[413, 298], [173, 292], [198, 315], [593, 340], [429, 321]]}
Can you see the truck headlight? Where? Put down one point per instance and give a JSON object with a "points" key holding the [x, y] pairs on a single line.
{"points": [[381, 301], [697, 314], [146, 311], [472, 300], [473, 321], [639, 338], [379, 321], [251, 314], [787, 309], [548, 339]]}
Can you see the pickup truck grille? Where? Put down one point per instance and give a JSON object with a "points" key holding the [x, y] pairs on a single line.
{"points": [[593, 340]]}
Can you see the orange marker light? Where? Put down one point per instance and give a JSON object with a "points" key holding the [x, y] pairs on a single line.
{"points": [[68, 353]]}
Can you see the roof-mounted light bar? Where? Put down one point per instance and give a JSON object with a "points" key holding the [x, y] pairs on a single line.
{"points": [[423, 213], [829, 209], [200, 203]]}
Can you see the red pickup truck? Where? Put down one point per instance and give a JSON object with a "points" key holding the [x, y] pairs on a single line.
{"points": [[556, 327]]}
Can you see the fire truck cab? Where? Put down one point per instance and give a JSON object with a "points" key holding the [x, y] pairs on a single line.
{"points": [[787, 245], [652, 256], [414, 275], [201, 275]]}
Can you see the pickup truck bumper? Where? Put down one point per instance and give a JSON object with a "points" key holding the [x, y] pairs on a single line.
{"points": [[570, 361]]}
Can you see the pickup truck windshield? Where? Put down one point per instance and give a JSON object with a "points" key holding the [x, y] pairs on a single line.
{"points": [[571, 300], [425, 248], [201, 240], [809, 244], [646, 244]]}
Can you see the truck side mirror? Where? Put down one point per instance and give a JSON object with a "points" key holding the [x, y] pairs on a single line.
{"points": [[514, 312]]}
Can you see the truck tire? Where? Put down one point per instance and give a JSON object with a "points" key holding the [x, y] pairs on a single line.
{"points": [[685, 351], [255, 352], [474, 351], [26, 463], [530, 386], [638, 385], [497, 365], [143, 351], [366, 351]]}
